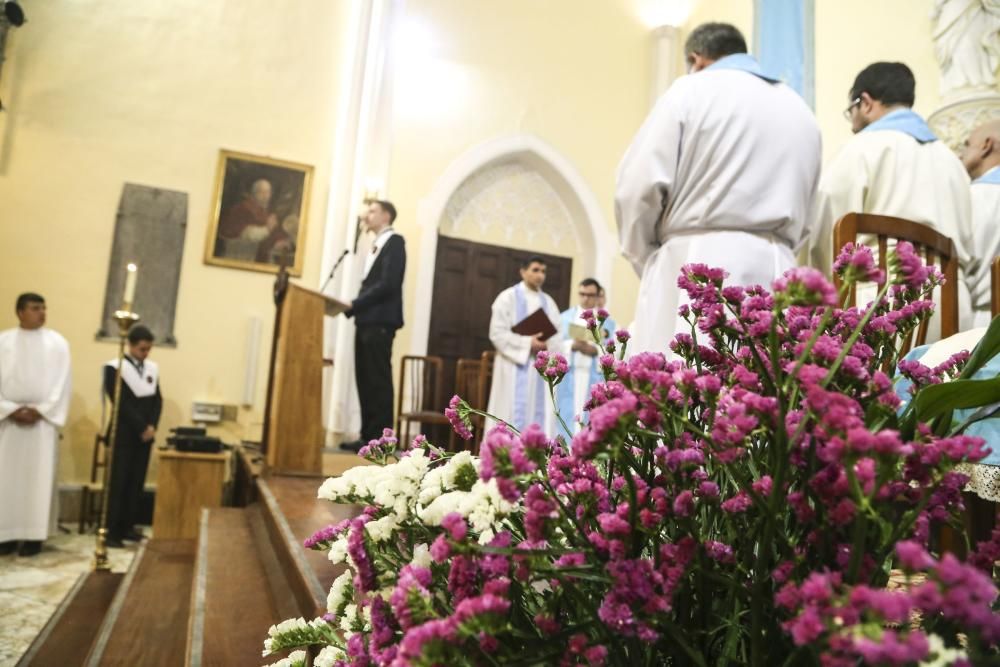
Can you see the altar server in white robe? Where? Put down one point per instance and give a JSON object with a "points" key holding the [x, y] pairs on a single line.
{"points": [[34, 400], [722, 172], [518, 395], [582, 357], [981, 157], [895, 165]]}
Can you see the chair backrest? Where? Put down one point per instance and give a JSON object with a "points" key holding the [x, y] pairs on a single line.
{"points": [[995, 287], [420, 384], [97, 459], [936, 248], [467, 380], [485, 379]]}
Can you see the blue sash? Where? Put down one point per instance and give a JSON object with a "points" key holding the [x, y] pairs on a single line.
{"points": [[906, 121], [992, 177], [743, 62]]}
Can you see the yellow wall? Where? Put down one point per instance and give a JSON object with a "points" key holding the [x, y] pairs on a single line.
{"points": [[573, 74], [850, 34], [100, 93]]}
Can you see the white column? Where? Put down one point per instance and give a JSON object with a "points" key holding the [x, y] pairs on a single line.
{"points": [[668, 62], [361, 151]]}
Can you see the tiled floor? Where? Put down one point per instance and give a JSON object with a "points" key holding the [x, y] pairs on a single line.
{"points": [[32, 588]]}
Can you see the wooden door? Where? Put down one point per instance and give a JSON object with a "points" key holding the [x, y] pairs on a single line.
{"points": [[467, 278]]}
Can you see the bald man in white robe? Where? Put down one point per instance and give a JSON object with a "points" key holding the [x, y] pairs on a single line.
{"points": [[895, 165], [34, 401], [981, 158], [722, 172]]}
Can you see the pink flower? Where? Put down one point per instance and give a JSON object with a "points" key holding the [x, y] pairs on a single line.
{"points": [[457, 413]]}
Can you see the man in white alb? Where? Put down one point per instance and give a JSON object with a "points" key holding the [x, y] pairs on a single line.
{"points": [[518, 395], [894, 165], [981, 158], [722, 172], [34, 400], [574, 390]]}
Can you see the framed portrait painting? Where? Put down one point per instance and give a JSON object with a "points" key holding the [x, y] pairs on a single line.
{"points": [[259, 213]]}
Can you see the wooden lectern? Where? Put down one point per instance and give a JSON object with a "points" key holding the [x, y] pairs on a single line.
{"points": [[293, 421]]}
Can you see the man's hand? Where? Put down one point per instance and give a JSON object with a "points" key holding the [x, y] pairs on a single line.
{"points": [[537, 344], [272, 222], [583, 347], [149, 433], [26, 416]]}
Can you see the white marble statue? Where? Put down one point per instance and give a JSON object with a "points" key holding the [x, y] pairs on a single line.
{"points": [[967, 44]]}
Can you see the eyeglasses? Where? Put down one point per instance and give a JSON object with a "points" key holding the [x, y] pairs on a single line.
{"points": [[587, 295], [854, 103]]}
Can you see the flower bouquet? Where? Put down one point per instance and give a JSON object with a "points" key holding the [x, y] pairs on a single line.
{"points": [[743, 502]]}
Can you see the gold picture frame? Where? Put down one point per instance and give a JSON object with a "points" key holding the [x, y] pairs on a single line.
{"points": [[259, 210]]}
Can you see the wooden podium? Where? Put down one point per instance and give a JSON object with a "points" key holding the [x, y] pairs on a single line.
{"points": [[293, 421]]}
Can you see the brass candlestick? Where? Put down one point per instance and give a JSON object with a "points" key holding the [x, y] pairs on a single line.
{"points": [[125, 318]]}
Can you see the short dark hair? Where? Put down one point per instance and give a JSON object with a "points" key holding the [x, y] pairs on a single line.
{"points": [[140, 333], [24, 299], [889, 83], [387, 206], [534, 259], [592, 282], [715, 40]]}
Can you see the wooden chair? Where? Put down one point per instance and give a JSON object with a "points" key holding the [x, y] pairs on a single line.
{"points": [[934, 247], [92, 493], [419, 398], [995, 287], [467, 373]]}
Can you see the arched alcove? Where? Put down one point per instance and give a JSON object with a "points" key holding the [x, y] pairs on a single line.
{"points": [[542, 170]]}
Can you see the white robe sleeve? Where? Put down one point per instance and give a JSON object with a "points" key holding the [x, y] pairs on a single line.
{"points": [[56, 405], [555, 342], [645, 178], [842, 190], [7, 406], [515, 347]]}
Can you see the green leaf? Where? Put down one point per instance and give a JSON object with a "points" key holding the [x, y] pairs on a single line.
{"points": [[937, 399], [988, 348]]}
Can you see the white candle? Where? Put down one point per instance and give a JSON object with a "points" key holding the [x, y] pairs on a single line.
{"points": [[130, 278]]}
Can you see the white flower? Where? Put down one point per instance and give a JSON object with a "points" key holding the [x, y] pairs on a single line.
{"points": [[483, 506], [421, 555], [382, 529], [942, 655], [338, 551], [349, 618], [328, 656], [338, 593], [294, 659]]}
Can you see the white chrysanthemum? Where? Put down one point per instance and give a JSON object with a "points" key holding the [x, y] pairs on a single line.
{"points": [[294, 659], [382, 529], [328, 656], [338, 550], [443, 505], [431, 486], [339, 592], [421, 556], [942, 654], [349, 618], [456, 463]]}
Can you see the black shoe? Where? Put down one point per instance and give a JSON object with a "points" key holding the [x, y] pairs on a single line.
{"points": [[353, 446], [134, 536], [114, 543], [30, 548], [8, 547]]}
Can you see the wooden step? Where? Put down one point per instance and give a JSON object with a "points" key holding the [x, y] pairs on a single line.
{"points": [[68, 635], [237, 575], [148, 620], [292, 513]]}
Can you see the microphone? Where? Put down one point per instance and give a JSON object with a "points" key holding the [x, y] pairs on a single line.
{"points": [[357, 235], [334, 270]]}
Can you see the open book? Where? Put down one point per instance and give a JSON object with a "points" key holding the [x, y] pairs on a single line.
{"points": [[536, 323]]}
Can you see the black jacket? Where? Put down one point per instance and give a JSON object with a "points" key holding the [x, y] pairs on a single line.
{"points": [[380, 301], [135, 413]]}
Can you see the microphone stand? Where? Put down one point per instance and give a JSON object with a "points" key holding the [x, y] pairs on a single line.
{"points": [[334, 269]]}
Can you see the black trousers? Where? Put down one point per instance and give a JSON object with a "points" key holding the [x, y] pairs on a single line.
{"points": [[373, 375], [128, 477]]}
